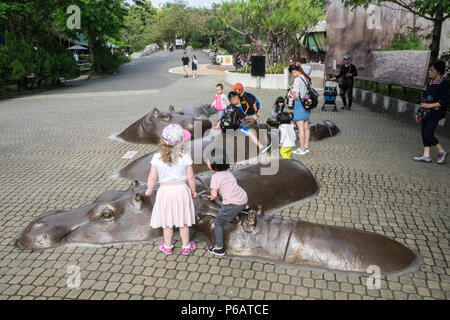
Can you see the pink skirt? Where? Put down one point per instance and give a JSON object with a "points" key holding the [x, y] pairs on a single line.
{"points": [[173, 206]]}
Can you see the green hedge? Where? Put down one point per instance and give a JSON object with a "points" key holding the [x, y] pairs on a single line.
{"points": [[105, 62], [47, 60], [195, 44]]}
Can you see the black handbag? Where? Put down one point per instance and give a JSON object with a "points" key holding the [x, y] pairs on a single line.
{"points": [[423, 113]]}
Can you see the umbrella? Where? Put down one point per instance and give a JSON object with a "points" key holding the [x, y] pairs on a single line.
{"points": [[77, 47]]}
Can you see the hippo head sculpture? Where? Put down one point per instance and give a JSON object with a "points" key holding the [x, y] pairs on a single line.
{"points": [[124, 216], [238, 148], [201, 111], [148, 129], [115, 216], [324, 129]]}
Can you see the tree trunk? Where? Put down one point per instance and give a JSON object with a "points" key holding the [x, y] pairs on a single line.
{"points": [[436, 35]]}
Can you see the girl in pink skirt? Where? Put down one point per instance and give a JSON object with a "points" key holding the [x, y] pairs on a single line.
{"points": [[174, 206]]}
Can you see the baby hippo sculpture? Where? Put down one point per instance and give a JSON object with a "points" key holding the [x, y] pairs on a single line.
{"points": [[148, 129], [124, 216], [240, 149]]}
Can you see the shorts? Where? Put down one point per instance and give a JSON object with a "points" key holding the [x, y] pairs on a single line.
{"points": [[243, 130], [186, 67], [286, 152], [300, 113], [194, 67]]}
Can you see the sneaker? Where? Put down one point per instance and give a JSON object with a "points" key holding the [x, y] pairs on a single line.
{"points": [[165, 250], [265, 148], [441, 157], [299, 152], [343, 107], [422, 158], [306, 150], [191, 248], [218, 252]]}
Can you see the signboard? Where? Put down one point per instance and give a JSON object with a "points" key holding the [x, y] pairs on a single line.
{"points": [[178, 42], [225, 60], [129, 155]]}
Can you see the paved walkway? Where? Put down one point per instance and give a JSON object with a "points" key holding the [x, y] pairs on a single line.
{"points": [[55, 153]]}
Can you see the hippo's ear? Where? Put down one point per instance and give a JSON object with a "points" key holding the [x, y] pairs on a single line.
{"points": [[134, 184], [155, 113]]}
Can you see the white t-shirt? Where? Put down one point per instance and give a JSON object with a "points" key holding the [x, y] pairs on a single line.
{"points": [[174, 172], [287, 135], [300, 86]]}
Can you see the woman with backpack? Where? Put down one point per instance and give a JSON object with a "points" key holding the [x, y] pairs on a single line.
{"points": [[301, 103]]}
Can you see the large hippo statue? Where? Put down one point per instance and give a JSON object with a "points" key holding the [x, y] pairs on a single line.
{"points": [[238, 149], [123, 216], [148, 129]]}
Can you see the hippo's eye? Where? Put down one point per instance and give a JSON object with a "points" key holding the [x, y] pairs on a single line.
{"points": [[166, 117], [107, 214]]}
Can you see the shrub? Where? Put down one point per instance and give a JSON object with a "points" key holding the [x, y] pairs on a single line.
{"points": [[407, 41], [195, 44], [47, 60], [105, 62]]}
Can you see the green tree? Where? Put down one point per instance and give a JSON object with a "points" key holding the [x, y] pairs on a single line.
{"points": [[280, 23], [100, 21], [436, 11]]}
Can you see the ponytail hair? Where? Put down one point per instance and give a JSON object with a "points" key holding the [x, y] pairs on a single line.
{"points": [[296, 66], [170, 153]]}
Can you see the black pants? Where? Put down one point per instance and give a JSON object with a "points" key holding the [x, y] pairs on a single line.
{"points": [[347, 89], [429, 125]]}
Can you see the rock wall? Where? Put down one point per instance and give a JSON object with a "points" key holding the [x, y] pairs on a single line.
{"points": [[408, 67], [361, 30]]}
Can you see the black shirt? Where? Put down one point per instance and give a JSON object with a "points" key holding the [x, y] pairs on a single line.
{"points": [[438, 92], [344, 70], [247, 102], [185, 61], [233, 115]]}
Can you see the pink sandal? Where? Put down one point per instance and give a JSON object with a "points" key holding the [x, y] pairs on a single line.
{"points": [[165, 250], [191, 248]]}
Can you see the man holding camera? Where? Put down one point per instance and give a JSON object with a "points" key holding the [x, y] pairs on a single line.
{"points": [[348, 72]]}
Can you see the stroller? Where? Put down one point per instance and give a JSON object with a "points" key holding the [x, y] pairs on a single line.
{"points": [[330, 93]]}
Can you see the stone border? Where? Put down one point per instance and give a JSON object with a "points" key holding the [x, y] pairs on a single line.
{"points": [[270, 81], [396, 108]]}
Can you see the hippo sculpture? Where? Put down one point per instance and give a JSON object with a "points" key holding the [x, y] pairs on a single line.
{"points": [[123, 216], [148, 129], [319, 130], [238, 148]]}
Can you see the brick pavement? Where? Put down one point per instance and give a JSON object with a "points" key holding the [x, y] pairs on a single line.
{"points": [[55, 153]]}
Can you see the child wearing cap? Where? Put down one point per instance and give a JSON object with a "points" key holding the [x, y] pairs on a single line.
{"points": [[172, 168]]}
